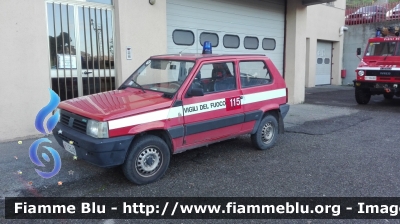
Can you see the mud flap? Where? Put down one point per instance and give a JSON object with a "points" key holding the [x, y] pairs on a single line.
{"points": [[281, 124]]}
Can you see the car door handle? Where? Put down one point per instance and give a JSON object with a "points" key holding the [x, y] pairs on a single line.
{"points": [[86, 73]]}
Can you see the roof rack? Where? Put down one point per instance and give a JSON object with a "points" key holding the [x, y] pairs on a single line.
{"points": [[388, 31]]}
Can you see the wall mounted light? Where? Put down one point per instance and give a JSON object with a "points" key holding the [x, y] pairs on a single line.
{"points": [[152, 2], [342, 29]]}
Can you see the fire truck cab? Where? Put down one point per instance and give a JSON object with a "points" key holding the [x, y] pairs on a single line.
{"points": [[173, 103], [379, 69]]}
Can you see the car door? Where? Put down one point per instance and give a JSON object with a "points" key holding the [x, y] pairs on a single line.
{"points": [[217, 114]]}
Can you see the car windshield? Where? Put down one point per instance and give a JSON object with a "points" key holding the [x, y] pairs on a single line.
{"points": [[164, 76], [397, 6], [382, 49]]}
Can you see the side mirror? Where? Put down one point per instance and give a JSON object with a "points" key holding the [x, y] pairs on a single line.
{"points": [[358, 51], [195, 92]]}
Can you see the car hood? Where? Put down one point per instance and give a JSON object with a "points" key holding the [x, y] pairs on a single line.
{"points": [[391, 61], [116, 104]]}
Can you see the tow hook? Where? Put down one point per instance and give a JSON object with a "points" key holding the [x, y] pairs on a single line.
{"points": [[387, 90]]}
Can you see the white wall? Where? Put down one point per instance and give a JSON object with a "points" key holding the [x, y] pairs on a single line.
{"points": [[141, 26], [295, 56], [305, 26], [24, 59], [323, 23], [24, 43]]}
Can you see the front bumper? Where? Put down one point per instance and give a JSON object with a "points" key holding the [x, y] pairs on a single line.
{"points": [[107, 152], [378, 87]]}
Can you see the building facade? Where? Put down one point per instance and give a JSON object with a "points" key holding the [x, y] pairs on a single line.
{"points": [[80, 47]]}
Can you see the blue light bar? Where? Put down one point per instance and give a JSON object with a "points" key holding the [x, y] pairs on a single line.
{"points": [[207, 48]]}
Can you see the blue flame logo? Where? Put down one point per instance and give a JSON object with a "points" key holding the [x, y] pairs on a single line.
{"points": [[35, 159], [52, 121]]}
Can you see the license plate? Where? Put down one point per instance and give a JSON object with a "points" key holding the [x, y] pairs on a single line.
{"points": [[370, 78], [70, 148]]}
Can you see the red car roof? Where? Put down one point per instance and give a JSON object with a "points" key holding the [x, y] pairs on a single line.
{"points": [[193, 57], [382, 39]]}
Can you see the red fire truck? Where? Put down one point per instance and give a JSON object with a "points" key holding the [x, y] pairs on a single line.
{"points": [[173, 103], [379, 69]]}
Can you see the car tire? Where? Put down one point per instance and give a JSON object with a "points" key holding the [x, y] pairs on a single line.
{"points": [[147, 160], [267, 133], [388, 96], [362, 96]]}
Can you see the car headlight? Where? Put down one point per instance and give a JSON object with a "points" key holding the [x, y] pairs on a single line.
{"points": [[361, 73], [97, 129]]}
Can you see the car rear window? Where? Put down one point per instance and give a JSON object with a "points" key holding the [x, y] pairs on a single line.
{"points": [[254, 73]]}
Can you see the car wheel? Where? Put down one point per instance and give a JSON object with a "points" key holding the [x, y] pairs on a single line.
{"points": [[362, 96], [147, 160], [267, 133], [388, 96]]}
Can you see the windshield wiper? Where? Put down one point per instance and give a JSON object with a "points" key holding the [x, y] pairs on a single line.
{"points": [[141, 87], [168, 95]]}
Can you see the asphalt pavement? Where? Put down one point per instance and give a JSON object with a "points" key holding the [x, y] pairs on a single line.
{"points": [[332, 147]]}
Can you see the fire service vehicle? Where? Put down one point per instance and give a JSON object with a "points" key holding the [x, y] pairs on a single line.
{"points": [[173, 103], [379, 69]]}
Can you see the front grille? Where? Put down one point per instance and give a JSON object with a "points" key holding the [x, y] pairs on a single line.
{"points": [[79, 125], [382, 72], [64, 119], [74, 121]]}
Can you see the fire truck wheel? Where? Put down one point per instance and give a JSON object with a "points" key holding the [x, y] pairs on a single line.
{"points": [[267, 133], [362, 96], [388, 96], [147, 160]]}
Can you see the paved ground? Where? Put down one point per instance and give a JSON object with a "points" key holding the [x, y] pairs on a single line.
{"points": [[332, 147]]}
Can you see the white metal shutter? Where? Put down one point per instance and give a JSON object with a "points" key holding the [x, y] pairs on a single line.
{"points": [[253, 18], [324, 63]]}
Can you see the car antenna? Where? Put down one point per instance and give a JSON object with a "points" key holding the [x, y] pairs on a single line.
{"points": [[180, 53]]}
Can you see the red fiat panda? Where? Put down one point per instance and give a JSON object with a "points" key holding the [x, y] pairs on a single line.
{"points": [[173, 103]]}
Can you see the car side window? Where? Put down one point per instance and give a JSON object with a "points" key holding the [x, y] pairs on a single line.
{"points": [[254, 73], [215, 77]]}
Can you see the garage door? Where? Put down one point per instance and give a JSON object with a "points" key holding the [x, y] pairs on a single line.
{"points": [[324, 64], [232, 26]]}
